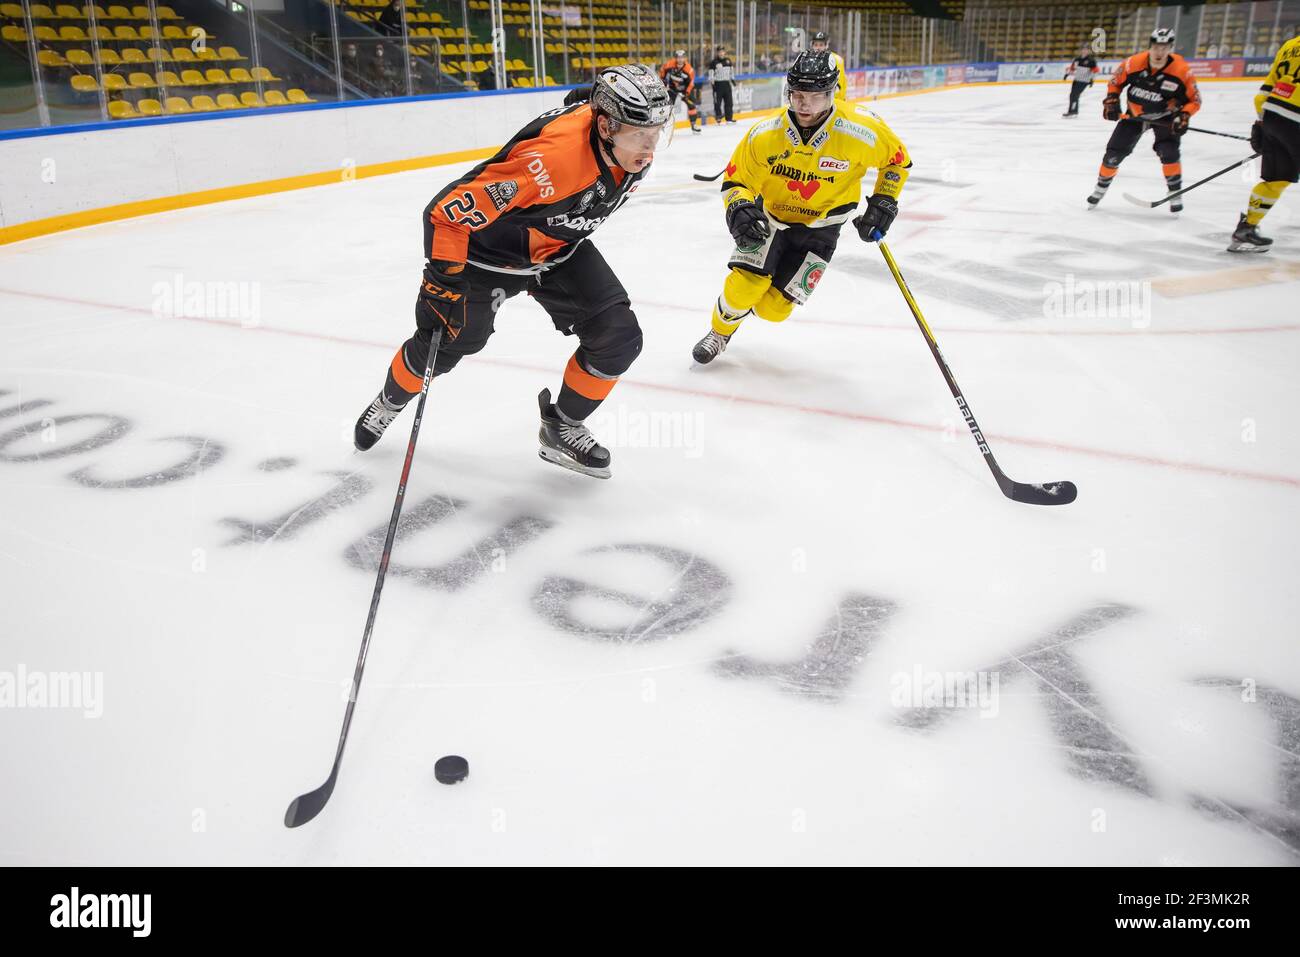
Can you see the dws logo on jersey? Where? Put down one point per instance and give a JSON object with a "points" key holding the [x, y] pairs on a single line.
{"points": [[831, 163], [540, 174]]}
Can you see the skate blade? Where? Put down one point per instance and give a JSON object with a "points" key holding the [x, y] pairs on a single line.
{"points": [[1247, 248], [563, 461]]}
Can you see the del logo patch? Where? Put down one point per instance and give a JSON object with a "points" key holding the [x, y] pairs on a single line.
{"points": [[831, 163]]}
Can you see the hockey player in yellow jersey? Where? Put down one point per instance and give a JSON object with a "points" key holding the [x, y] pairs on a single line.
{"points": [[821, 43], [1276, 136], [793, 181]]}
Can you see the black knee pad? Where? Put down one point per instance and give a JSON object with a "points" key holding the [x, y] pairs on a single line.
{"points": [[611, 340], [1114, 157], [1167, 150]]}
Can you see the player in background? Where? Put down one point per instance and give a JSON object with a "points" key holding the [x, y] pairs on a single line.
{"points": [[1162, 95], [520, 222], [790, 185], [721, 73], [821, 43], [1080, 72], [679, 76], [1275, 135]]}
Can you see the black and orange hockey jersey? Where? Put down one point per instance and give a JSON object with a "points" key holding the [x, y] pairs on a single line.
{"points": [[680, 79], [531, 205], [1170, 89]]}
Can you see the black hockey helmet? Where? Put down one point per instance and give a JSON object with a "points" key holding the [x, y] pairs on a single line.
{"points": [[812, 72], [632, 94], [819, 37]]}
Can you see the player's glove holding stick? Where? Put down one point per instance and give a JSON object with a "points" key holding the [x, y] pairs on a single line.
{"points": [[1179, 120], [443, 293], [876, 218], [746, 220], [1110, 107]]}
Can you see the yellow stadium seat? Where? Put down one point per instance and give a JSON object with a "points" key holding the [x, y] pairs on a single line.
{"points": [[114, 82], [207, 53], [13, 34], [167, 13], [50, 58], [84, 84], [158, 55], [67, 11], [41, 12], [168, 78], [121, 110], [45, 33], [203, 104], [184, 55], [172, 32], [239, 75], [298, 96], [109, 57], [230, 53], [104, 33], [275, 98], [149, 108], [265, 75], [125, 33], [227, 101], [193, 78], [134, 55], [80, 58], [141, 81], [147, 33], [118, 13], [99, 12], [216, 75], [250, 98], [177, 104], [140, 12], [11, 10]]}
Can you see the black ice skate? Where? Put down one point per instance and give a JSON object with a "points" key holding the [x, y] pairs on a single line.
{"points": [[1097, 195], [1246, 239], [569, 446], [373, 422], [710, 347]]}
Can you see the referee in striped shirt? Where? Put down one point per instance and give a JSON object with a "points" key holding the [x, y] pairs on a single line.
{"points": [[721, 73]]}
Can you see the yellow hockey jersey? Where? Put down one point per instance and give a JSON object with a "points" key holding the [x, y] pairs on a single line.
{"points": [[818, 183], [842, 91], [1281, 90]]}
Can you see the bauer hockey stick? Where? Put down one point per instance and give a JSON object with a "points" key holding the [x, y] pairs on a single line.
{"points": [[306, 806], [1152, 204], [1054, 493], [1231, 136]]}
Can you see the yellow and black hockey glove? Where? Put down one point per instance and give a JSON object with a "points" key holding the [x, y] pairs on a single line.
{"points": [[876, 218], [746, 220]]}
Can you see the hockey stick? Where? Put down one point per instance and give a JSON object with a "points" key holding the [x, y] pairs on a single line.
{"points": [[1231, 136], [707, 179], [1054, 493], [306, 806], [1150, 204]]}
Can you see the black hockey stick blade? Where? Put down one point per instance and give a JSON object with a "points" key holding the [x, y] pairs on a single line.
{"points": [[306, 806], [1187, 189], [707, 179], [1050, 493]]}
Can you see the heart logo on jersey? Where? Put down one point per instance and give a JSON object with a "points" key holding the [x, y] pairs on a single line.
{"points": [[731, 169], [805, 190]]}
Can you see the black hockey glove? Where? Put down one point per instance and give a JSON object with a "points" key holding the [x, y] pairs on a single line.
{"points": [[1110, 107], [443, 293], [579, 95], [1257, 136], [1178, 123], [748, 224], [875, 219]]}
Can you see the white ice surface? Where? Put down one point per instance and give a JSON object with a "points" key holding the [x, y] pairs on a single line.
{"points": [[815, 464]]}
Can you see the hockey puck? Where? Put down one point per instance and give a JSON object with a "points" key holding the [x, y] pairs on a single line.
{"points": [[451, 769]]}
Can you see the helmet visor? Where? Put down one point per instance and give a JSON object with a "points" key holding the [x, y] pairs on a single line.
{"points": [[809, 101], [643, 139]]}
